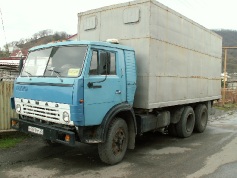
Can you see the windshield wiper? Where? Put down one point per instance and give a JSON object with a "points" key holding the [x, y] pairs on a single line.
{"points": [[57, 73], [28, 74]]}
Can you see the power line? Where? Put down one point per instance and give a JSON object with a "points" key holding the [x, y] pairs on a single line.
{"points": [[4, 29]]}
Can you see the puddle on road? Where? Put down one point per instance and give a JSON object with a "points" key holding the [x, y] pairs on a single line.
{"points": [[220, 124], [226, 155]]}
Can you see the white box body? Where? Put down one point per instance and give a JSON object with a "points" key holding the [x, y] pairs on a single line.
{"points": [[178, 60]]}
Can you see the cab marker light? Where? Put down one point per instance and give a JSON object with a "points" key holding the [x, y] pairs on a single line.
{"points": [[14, 123], [67, 138]]}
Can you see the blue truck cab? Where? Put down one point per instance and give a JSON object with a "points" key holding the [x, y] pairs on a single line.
{"points": [[79, 91]]}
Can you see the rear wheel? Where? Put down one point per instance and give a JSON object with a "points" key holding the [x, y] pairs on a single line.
{"points": [[201, 116], [114, 148], [184, 127], [175, 118]]}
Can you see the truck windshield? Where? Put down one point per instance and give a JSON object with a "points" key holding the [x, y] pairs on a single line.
{"points": [[63, 61]]}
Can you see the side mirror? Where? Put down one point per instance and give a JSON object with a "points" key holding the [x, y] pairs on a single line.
{"points": [[20, 64]]}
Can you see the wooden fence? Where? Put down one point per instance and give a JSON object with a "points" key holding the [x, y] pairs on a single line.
{"points": [[230, 95], [6, 89]]}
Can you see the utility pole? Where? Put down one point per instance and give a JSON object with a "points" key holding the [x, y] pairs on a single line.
{"points": [[225, 72], [225, 78], [4, 30]]}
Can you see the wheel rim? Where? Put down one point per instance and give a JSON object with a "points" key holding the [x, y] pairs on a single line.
{"points": [[189, 124], [118, 141]]}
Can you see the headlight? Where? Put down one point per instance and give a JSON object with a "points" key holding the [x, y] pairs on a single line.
{"points": [[18, 108], [66, 117]]}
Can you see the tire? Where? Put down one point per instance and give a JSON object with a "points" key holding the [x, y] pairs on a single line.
{"points": [[185, 126], [175, 118], [201, 115], [176, 115], [114, 148]]}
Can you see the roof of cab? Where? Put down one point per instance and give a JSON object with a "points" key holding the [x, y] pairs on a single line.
{"points": [[94, 43]]}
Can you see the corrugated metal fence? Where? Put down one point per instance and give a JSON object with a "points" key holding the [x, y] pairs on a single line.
{"points": [[6, 89]]}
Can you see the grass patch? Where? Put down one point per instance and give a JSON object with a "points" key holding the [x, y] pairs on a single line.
{"points": [[227, 107], [11, 140]]}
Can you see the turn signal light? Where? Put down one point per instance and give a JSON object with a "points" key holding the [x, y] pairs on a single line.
{"points": [[14, 123], [81, 101], [67, 138]]}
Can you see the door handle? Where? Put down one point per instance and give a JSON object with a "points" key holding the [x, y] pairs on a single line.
{"points": [[117, 92], [91, 85]]}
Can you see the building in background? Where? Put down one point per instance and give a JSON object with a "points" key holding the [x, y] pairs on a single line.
{"points": [[9, 65], [72, 38]]}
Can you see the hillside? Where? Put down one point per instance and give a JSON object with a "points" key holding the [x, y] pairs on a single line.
{"points": [[39, 38], [30, 44], [43, 40], [229, 38]]}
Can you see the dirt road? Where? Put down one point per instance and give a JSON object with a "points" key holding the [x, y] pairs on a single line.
{"points": [[210, 154]]}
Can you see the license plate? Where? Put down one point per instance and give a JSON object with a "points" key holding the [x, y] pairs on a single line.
{"points": [[35, 130]]}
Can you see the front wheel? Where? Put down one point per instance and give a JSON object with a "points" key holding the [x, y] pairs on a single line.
{"points": [[114, 148]]}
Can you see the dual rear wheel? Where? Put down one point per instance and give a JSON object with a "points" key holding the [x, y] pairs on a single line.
{"points": [[114, 148], [190, 120]]}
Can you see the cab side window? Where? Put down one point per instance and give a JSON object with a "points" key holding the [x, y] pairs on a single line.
{"points": [[103, 63], [94, 65]]}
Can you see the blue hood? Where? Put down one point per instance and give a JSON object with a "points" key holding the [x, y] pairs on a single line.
{"points": [[45, 89]]}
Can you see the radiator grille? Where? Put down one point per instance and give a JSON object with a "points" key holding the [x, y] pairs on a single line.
{"points": [[41, 112]]}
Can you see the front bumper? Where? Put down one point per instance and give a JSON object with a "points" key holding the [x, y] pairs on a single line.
{"points": [[47, 132]]}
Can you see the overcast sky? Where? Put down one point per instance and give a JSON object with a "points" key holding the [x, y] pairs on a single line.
{"points": [[23, 18]]}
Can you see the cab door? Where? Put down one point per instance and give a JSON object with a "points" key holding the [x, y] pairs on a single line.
{"points": [[104, 83]]}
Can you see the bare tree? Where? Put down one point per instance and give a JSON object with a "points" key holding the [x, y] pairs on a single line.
{"points": [[35, 36]]}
